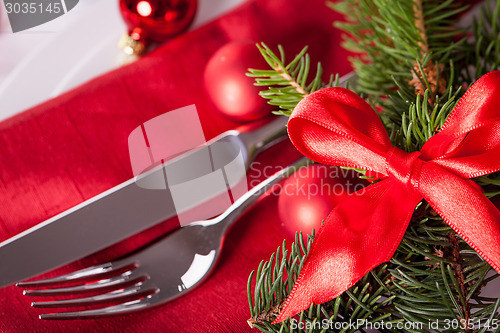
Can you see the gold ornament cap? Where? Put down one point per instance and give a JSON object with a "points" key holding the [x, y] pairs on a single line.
{"points": [[131, 46]]}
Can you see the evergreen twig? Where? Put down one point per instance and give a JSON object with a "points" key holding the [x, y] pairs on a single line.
{"points": [[434, 276], [288, 83]]}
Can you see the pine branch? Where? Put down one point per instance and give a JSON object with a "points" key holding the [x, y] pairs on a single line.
{"points": [[400, 47], [407, 55], [485, 44], [434, 276], [288, 83], [363, 301], [421, 122], [440, 277]]}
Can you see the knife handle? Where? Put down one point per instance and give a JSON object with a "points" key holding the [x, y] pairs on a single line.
{"points": [[257, 137]]}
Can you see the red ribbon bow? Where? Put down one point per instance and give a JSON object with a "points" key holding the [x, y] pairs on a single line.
{"points": [[335, 126]]}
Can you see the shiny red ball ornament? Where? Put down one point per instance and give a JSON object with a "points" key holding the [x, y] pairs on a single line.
{"points": [[309, 195], [234, 93], [157, 20]]}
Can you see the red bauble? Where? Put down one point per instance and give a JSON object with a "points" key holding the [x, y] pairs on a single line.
{"points": [[235, 94], [157, 20], [309, 195]]}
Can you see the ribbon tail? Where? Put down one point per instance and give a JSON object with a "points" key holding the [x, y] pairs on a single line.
{"points": [[362, 232], [461, 203]]}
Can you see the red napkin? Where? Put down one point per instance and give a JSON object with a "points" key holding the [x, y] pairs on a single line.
{"points": [[74, 147]]}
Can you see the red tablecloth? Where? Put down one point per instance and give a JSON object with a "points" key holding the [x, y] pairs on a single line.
{"points": [[71, 148]]}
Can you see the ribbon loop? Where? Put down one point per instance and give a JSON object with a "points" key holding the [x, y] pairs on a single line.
{"points": [[353, 138], [335, 126]]}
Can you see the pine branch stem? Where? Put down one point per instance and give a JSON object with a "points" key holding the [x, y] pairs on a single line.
{"points": [[281, 71], [427, 77], [420, 24], [458, 271], [266, 316]]}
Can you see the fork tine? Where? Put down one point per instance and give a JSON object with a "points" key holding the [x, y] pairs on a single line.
{"points": [[116, 282], [104, 312], [136, 291], [83, 274]]}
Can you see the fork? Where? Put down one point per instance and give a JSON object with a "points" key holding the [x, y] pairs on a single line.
{"points": [[156, 274]]}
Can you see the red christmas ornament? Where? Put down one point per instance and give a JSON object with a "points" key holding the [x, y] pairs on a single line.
{"points": [[156, 20], [308, 196], [235, 94]]}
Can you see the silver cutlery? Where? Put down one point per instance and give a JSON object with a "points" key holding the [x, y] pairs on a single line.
{"points": [[156, 274], [129, 208], [124, 210]]}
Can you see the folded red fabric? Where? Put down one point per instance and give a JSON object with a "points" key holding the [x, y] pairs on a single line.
{"points": [[71, 148]]}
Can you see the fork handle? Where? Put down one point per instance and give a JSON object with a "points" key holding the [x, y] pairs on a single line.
{"points": [[226, 219]]}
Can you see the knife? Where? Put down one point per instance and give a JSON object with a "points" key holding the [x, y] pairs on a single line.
{"points": [[130, 207]]}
